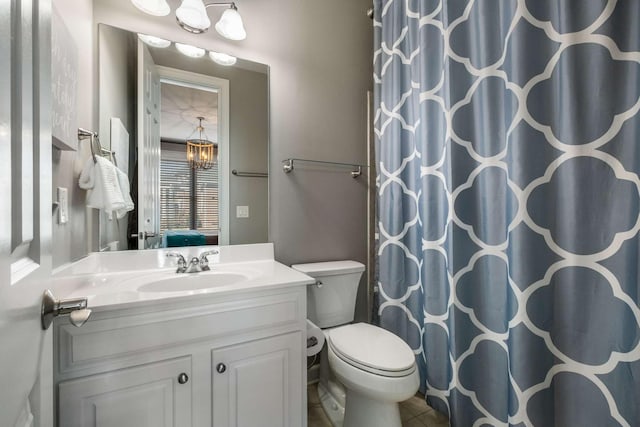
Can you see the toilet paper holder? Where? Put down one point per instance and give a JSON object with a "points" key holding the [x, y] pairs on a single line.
{"points": [[311, 341], [315, 339]]}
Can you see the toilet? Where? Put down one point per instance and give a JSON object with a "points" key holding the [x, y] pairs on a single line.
{"points": [[365, 371]]}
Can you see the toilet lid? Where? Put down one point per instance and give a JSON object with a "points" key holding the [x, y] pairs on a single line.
{"points": [[319, 269], [373, 349]]}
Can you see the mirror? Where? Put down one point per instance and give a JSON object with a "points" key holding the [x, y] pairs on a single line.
{"points": [[146, 124]]}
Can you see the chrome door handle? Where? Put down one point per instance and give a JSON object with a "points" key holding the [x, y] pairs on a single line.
{"points": [[76, 308], [144, 235]]}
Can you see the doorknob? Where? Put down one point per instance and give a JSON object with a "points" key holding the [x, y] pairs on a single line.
{"points": [[76, 308], [220, 367], [143, 235]]}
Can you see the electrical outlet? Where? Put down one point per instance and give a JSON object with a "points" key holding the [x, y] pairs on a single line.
{"points": [[242, 211], [63, 205]]}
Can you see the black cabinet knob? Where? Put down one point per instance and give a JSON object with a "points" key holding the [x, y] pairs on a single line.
{"points": [[183, 378], [220, 367]]}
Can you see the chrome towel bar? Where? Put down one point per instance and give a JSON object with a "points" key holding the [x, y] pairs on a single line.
{"points": [[356, 169], [250, 174], [93, 138]]}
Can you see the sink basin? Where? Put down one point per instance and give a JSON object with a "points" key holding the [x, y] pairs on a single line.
{"points": [[193, 282]]}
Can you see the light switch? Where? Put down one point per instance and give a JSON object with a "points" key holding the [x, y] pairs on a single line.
{"points": [[63, 205], [242, 211]]}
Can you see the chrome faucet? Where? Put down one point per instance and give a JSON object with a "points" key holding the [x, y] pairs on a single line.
{"points": [[195, 265], [182, 264], [204, 262]]}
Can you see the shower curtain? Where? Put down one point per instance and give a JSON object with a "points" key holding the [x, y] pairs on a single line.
{"points": [[507, 136]]}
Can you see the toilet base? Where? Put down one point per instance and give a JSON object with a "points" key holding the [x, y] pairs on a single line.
{"points": [[331, 406], [364, 411]]}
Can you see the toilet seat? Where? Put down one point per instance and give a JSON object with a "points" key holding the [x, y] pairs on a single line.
{"points": [[372, 349]]}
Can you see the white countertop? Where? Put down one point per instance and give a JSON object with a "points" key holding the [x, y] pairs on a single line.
{"points": [[112, 280]]}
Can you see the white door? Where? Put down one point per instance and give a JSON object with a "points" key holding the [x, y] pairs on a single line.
{"points": [[148, 150], [25, 212], [259, 384], [153, 395]]}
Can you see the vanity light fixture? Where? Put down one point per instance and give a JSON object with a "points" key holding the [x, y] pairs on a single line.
{"points": [[222, 58], [154, 41], [191, 51], [192, 17], [230, 25], [200, 151], [153, 7]]}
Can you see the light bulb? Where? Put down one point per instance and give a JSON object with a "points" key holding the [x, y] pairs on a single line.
{"points": [[192, 16], [152, 7], [222, 58], [191, 51], [154, 41], [230, 25]]}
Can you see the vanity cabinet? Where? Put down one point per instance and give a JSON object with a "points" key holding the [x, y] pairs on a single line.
{"points": [[257, 383], [147, 396], [221, 361]]}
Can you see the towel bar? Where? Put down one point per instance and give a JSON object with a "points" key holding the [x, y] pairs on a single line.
{"points": [[356, 169], [250, 174], [92, 137]]}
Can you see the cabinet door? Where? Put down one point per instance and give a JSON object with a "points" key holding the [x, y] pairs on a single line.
{"points": [[259, 383], [145, 396]]}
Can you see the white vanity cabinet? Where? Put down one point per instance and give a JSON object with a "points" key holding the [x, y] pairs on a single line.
{"points": [[216, 360], [257, 383], [146, 396]]}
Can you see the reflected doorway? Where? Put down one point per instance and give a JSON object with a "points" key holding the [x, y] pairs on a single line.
{"points": [[189, 194]]}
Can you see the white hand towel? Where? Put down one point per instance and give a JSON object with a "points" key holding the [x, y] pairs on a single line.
{"points": [[112, 195], [101, 179], [123, 181], [87, 176]]}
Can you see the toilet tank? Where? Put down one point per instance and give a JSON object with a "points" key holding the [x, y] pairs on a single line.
{"points": [[332, 300]]}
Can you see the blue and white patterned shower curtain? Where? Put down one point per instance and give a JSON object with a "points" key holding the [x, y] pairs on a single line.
{"points": [[507, 137]]}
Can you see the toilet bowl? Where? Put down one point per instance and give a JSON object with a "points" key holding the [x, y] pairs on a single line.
{"points": [[378, 370], [365, 370]]}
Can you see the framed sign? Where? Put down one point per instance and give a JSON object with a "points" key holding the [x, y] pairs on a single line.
{"points": [[64, 85]]}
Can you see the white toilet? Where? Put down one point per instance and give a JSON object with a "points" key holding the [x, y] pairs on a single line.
{"points": [[374, 368]]}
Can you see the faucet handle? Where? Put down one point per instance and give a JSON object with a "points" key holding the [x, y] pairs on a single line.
{"points": [[204, 262], [182, 264]]}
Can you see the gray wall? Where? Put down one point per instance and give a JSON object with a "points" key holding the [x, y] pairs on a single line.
{"points": [[249, 151], [320, 56], [71, 240], [116, 98], [248, 140]]}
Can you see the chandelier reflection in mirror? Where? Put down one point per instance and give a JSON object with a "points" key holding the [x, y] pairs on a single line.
{"points": [[201, 153]]}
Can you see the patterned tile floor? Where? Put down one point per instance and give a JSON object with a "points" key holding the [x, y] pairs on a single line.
{"points": [[414, 412]]}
